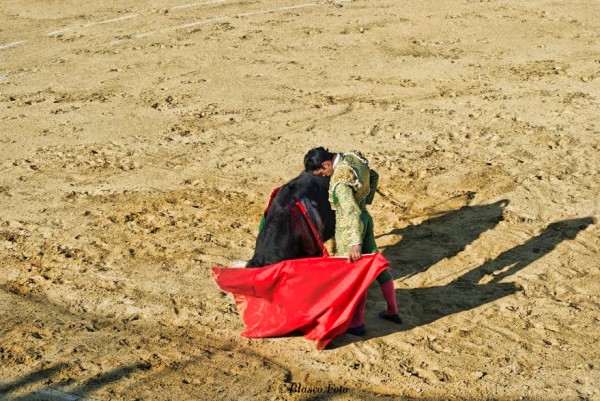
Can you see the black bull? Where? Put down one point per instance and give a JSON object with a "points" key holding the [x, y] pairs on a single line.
{"points": [[286, 233]]}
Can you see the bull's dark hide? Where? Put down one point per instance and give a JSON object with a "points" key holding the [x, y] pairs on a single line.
{"points": [[286, 234]]}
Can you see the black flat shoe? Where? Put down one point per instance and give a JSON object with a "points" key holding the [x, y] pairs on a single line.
{"points": [[392, 318], [358, 330]]}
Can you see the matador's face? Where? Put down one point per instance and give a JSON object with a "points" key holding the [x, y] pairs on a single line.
{"points": [[325, 170]]}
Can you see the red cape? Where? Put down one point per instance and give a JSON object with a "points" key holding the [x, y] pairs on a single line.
{"points": [[316, 296]]}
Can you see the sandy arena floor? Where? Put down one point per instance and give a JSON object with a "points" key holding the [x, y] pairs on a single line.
{"points": [[139, 141]]}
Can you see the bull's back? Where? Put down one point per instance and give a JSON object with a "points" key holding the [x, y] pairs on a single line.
{"points": [[285, 234]]}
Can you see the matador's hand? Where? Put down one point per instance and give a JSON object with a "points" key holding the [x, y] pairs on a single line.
{"points": [[355, 253]]}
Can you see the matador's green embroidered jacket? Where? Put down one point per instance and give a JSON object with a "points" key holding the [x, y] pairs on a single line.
{"points": [[352, 187]]}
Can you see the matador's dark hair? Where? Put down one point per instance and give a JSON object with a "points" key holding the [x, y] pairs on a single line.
{"points": [[315, 157]]}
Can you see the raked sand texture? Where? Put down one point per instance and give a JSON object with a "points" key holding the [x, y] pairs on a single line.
{"points": [[140, 140]]}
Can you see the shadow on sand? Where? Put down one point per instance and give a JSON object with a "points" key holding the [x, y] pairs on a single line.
{"points": [[445, 236], [56, 392]]}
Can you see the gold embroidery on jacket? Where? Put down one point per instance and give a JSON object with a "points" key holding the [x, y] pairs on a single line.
{"points": [[349, 191]]}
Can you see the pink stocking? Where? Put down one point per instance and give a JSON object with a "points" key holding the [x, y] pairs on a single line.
{"points": [[389, 294], [358, 319]]}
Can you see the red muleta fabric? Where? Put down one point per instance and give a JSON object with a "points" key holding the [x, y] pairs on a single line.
{"points": [[316, 296]]}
